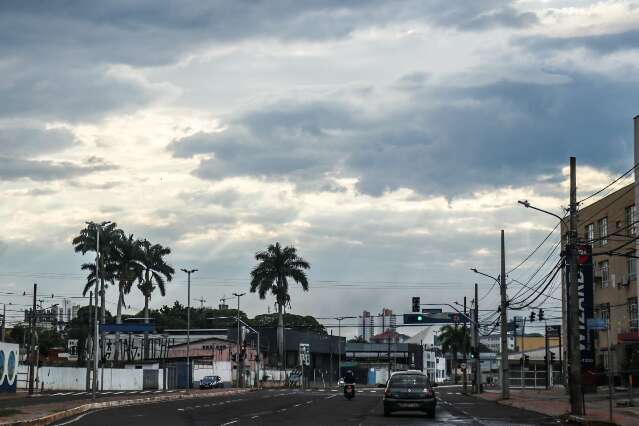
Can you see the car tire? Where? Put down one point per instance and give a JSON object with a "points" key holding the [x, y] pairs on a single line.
{"points": [[387, 412], [430, 414]]}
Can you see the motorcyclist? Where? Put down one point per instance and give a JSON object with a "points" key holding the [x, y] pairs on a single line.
{"points": [[349, 377]]}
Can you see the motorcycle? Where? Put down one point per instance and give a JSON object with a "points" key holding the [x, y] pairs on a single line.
{"points": [[349, 391]]}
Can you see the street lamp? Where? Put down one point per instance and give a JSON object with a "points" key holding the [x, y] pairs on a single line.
{"points": [[188, 326], [98, 229], [239, 364], [526, 204]]}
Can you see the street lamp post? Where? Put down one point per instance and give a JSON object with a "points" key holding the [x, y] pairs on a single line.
{"points": [[188, 326], [239, 360]]}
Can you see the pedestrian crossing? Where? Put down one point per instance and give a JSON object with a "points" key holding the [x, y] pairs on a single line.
{"points": [[106, 393]]}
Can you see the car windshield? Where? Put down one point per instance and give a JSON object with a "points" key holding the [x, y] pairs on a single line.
{"points": [[409, 381]]}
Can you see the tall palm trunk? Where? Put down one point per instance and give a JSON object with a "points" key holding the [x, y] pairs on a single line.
{"points": [[118, 320], [146, 321], [454, 367], [280, 335], [102, 318]]}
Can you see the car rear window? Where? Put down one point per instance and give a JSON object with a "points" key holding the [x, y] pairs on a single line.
{"points": [[409, 381]]}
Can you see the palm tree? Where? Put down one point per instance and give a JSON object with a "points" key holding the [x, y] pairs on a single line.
{"points": [[271, 274], [127, 269], [85, 242], [154, 273], [454, 339]]}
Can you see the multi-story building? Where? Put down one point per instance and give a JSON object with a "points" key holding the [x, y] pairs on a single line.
{"points": [[387, 320], [368, 326], [493, 342], [610, 226]]}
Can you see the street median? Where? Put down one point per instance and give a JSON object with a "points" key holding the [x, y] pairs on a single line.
{"points": [[37, 418]]}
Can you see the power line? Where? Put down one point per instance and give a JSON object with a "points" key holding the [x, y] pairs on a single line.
{"points": [[609, 185]]}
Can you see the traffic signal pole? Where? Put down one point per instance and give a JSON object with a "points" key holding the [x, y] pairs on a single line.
{"points": [[476, 339], [504, 370], [574, 367]]}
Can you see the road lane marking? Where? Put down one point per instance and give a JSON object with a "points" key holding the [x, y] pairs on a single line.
{"points": [[255, 417], [78, 418], [230, 423], [330, 396]]}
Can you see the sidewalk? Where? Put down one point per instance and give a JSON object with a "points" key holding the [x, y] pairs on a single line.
{"points": [[47, 413], [555, 403]]}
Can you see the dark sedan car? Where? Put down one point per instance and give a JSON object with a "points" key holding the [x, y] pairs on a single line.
{"points": [[409, 391], [210, 382]]}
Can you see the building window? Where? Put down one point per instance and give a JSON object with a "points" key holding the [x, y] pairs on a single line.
{"points": [[631, 266], [603, 267], [631, 227], [632, 313], [590, 232], [603, 311], [602, 224]]}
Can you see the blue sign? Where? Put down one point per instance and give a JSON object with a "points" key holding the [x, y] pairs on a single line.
{"points": [[127, 328], [597, 324]]}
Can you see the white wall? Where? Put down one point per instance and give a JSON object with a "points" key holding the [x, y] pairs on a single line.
{"points": [[219, 368], [70, 378]]}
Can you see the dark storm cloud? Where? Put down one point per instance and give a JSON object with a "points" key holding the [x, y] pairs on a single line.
{"points": [[604, 44], [503, 133], [57, 53], [25, 141], [16, 168]]}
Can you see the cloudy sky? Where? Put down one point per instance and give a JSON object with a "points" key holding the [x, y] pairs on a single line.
{"points": [[388, 141]]}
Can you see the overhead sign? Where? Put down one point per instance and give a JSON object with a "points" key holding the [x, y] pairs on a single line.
{"points": [[585, 292], [433, 318], [305, 354], [431, 311], [553, 330]]}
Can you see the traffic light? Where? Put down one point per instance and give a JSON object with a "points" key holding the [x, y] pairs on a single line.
{"points": [[532, 316], [243, 351], [526, 361], [414, 318], [415, 304], [541, 314]]}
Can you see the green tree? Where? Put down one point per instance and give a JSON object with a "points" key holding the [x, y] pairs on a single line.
{"points": [[127, 268], [155, 273], [85, 242], [454, 340], [270, 275], [304, 322]]}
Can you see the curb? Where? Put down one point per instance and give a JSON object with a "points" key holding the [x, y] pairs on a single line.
{"points": [[48, 419]]}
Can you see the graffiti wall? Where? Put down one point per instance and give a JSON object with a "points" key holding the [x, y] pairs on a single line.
{"points": [[9, 353]]}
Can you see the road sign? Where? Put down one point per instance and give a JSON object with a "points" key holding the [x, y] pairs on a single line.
{"points": [[305, 354], [431, 310], [432, 318], [597, 324], [553, 330]]}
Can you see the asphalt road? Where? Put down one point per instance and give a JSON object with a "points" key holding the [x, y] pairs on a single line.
{"points": [[287, 407]]}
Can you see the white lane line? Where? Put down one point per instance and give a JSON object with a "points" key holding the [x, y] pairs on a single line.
{"points": [[255, 417], [321, 390], [180, 409], [297, 405], [360, 391], [373, 391], [230, 423], [59, 393], [330, 396], [78, 393], [158, 391], [77, 418], [170, 391], [309, 402]]}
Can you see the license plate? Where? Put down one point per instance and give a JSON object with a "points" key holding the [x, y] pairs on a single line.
{"points": [[408, 404]]}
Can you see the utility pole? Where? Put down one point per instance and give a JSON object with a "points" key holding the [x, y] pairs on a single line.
{"points": [[240, 361], [576, 393], [505, 373], [476, 338], [548, 360], [4, 315], [188, 327], [94, 386], [32, 342], [465, 348], [86, 350], [522, 380]]}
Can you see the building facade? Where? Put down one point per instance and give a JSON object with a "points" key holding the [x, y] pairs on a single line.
{"points": [[609, 225]]}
